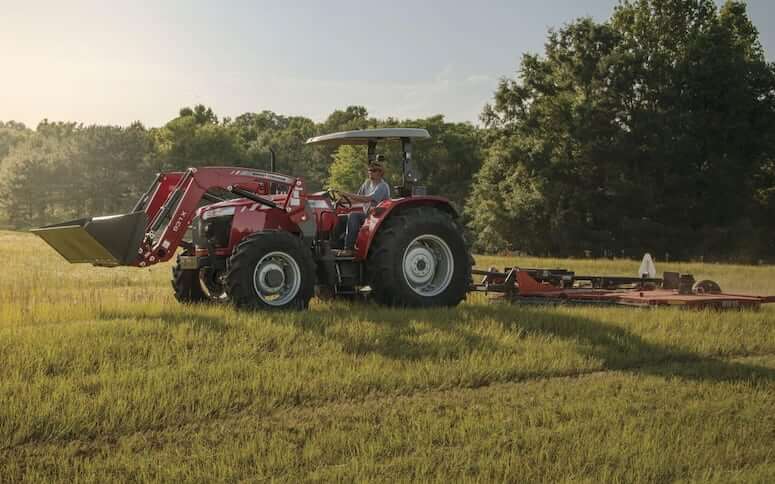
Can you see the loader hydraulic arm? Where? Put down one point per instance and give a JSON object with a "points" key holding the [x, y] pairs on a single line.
{"points": [[168, 223], [252, 196]]}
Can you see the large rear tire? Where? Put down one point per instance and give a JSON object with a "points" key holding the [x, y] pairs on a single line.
{"points": [[186, 284], [271, 270], [419, 259]]}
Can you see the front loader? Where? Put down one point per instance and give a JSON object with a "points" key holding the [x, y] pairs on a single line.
{"points": [[259, 240]]}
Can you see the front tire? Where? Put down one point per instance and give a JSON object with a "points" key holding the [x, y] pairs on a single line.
{"points": [[271, 270], [186, 285], [419, 259]]}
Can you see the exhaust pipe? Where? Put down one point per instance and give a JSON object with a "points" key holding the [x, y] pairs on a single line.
{"points": [[102, 241]]}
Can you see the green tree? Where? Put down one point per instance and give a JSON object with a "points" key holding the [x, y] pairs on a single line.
{"points": [[448, 161], [32, 180], [11, 133], [196, 138], [348, 171], [351, 118], [645, 132], [66, 171], [261, 132], [110, 166]]}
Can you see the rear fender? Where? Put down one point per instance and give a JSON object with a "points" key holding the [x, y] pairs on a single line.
{"points": [[388, 208]]}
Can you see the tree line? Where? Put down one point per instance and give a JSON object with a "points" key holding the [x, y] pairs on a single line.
{"points": [[651, 131], [62, 170]]}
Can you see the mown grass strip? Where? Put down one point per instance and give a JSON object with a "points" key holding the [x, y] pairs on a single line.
{"points": [[640, 426], [103, 376]]}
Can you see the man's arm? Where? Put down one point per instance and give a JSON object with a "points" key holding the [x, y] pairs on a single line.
{"points": [[361, 196], [381, 192], [355, 197]]}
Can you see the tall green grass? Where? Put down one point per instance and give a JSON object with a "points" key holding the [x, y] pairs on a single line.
{"points": [[103, 376]]}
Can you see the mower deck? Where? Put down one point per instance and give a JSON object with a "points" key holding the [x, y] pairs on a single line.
{"points": [[558, 286]]}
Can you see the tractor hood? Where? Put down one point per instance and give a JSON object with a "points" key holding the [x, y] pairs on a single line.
{"points": [[237, 204], [102, 241]]}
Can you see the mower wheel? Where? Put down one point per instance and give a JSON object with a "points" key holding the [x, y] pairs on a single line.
{"points": [[186, 284], [419, 259], [706, 287], [271, 270]]}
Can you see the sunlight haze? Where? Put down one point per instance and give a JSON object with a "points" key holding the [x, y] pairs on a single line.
{"points": [[99, 62]]}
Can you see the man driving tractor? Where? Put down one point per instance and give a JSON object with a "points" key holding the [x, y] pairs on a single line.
{"points": [[373, 190], [261, 250]]}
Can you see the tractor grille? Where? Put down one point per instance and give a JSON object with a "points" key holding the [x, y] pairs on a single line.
{"points": [[213, 232]]}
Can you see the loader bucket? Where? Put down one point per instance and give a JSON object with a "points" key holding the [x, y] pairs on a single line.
{"points": [[102, 241]]}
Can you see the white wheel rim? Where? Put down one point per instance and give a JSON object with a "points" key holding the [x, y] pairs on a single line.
{"points": [[277, 278], [428, 265]]}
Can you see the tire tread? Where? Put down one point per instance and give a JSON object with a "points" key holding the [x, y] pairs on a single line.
{"points": [[244, 297], [386, 279]]}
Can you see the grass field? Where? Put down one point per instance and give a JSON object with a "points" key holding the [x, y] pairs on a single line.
{"points": [[104, 377]]}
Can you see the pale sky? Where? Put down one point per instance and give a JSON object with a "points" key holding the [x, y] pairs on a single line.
{"points": [[116, 62]]}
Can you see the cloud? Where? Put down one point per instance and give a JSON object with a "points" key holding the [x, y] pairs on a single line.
{"points": [[477, 78]]}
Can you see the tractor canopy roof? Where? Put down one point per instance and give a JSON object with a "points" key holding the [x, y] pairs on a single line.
{"points": [[367, 136]]}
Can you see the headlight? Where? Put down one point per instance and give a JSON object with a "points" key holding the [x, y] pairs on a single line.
{"points": [[218, 212]]}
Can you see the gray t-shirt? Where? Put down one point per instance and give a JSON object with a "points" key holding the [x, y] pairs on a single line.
{"points": [[376, 191]]}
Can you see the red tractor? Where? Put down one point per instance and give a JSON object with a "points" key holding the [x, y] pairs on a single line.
{"points": [[259, 240]]}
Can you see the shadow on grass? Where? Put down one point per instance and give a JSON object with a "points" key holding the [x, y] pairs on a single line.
{"points": [[171, 318], [399, 334], [620, 349], [614, 346]]}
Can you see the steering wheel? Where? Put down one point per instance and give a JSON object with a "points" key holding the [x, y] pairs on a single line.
{"points": [[340, 199]]}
